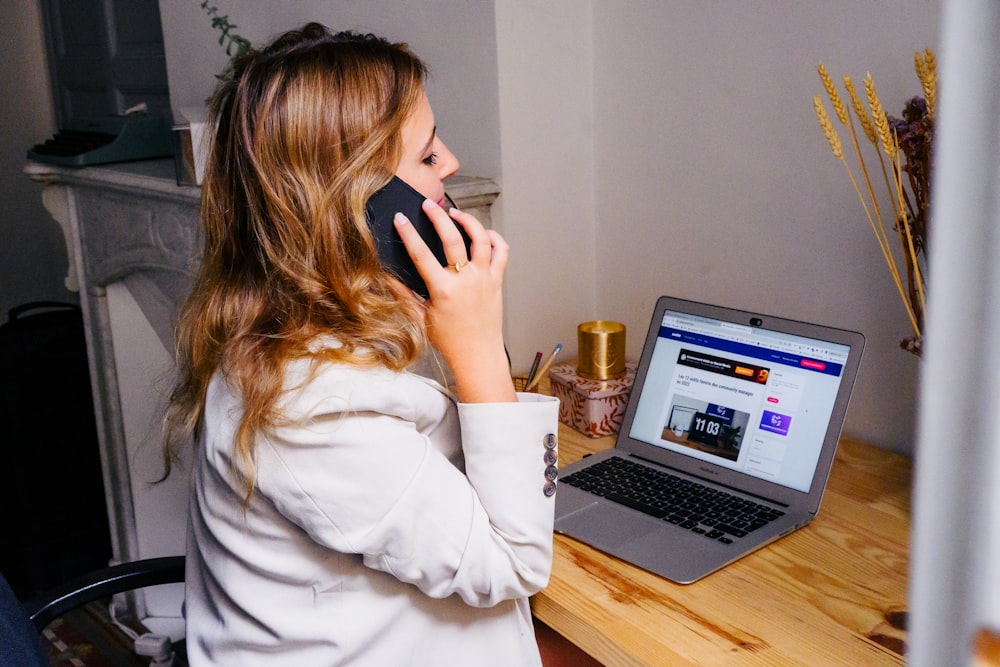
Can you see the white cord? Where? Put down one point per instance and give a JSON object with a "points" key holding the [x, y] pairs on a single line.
{"points": [[132, 634]]}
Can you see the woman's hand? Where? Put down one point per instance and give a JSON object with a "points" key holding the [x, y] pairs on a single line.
{"points": [[465, 309]]}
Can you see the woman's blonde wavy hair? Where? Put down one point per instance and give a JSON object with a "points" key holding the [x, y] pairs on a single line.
{"points": [[307, 129]]}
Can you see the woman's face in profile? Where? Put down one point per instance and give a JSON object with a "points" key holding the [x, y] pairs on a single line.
{"points": [[426, 161]]}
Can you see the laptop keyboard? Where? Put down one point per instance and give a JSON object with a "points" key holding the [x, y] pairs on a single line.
{"points": [[701, 509]]}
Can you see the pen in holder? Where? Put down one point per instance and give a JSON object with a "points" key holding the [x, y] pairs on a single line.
{"points": [[520, 382]]}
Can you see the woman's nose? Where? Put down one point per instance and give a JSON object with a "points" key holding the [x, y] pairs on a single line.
{"points": [[447, 162]]}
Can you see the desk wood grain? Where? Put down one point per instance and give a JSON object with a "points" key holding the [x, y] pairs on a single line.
{"points": [[832, 593]]}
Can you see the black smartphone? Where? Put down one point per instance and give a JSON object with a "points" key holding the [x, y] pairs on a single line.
{"points": [[398, 197]]}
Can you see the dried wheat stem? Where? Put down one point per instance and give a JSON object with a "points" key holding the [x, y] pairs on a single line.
{"points": [[828, 130], [861, 112], [878, 114], [920, 65], [926, 66], [866, 123], [882, 126], [831, 92], [869, 132], [883, 243], [876, 128], [932, 82], [838, 152], [864, 170], [877, 227], [882, 129]]}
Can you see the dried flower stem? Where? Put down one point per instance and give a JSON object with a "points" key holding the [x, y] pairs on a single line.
{"points": [[878, 227], [848, 122], [870, 132], [878, 113], [926, 66], [877, 131], [905, 145], [860, 111], [889, 146], [906, 230], [864, 169], [828, 131], [876, 223], [831, 92]]}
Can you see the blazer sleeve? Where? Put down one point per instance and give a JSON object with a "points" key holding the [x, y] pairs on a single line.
{"points": [[361, 471]]}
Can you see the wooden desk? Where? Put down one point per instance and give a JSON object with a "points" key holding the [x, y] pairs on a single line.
{"points": [[832, 593]]}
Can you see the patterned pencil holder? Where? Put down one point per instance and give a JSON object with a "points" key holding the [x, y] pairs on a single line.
{"points": [[592, 407]]}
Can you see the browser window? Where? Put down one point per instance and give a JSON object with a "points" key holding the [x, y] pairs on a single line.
{"points": [[746, 398]]}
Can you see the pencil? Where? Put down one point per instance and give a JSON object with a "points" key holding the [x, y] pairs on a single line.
{"points": [[545, 368], [534, 369]]}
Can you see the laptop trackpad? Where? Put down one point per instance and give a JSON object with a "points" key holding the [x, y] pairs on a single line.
{"points": [[604, 525]]}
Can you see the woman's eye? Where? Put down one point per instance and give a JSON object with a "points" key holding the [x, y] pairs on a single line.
{"points": [[431, 159]]}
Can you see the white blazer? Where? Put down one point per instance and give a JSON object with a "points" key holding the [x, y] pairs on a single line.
{"points": [[389, 526]]}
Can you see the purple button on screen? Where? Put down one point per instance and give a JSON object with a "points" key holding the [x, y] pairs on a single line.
{"points": [[775, 423]]}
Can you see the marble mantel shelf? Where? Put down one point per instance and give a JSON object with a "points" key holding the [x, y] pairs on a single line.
{"points": [[159, 176], [156, 178]]}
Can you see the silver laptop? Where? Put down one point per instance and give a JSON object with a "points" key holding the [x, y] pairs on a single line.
{"points": [[726, 443]]}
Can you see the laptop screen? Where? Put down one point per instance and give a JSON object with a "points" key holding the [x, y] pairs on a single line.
{"points": [[742, 397]]}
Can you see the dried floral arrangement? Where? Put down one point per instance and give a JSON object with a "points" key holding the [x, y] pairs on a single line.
{"points": [[903, 146]]}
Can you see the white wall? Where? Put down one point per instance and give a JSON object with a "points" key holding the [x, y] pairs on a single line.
{"points": [[648, 147], [714, 182], [711, 178], [546, 210], [456, 38]]}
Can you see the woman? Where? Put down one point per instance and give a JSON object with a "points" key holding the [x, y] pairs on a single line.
{"points": [[345, 509]]}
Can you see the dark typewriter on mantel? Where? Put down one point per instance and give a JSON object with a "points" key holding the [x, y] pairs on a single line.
{"points": [[89, 141]]}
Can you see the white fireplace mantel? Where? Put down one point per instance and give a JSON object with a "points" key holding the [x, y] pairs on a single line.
{"points": [[132, 241]]}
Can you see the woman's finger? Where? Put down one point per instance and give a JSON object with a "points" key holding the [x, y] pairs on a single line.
{"points": [[499, 251], [452, 241], [480, 246], [425, 261]]}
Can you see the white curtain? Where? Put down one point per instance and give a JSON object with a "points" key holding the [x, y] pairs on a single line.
{"points": [[955, 567]]}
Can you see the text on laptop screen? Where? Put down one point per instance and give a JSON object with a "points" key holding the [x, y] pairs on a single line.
{"points": [[746, 398]]}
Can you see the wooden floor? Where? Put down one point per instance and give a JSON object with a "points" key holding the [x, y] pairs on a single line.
{"points": [[87, 636]]}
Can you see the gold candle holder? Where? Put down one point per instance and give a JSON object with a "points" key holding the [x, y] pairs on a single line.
{"points": [[602, 350]]}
